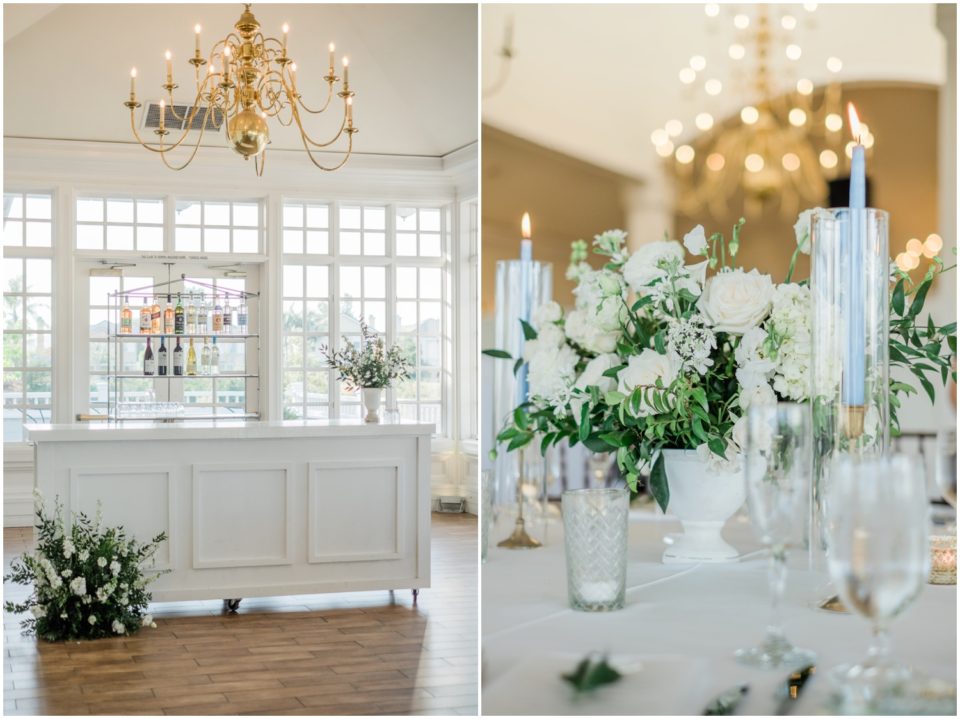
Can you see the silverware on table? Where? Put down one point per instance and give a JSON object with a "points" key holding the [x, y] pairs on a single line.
{"points": [[725, 703], [791, 688]]}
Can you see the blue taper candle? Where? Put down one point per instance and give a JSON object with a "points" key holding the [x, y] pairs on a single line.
{"points": [[526, 296], [853, 370]]}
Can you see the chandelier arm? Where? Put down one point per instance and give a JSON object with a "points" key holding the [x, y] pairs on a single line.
{"points": [[196, 147], [334, 167], [296, 98], [307, 138]]}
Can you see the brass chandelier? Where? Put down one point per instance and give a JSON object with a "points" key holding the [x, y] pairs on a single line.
{"points": [[249, 79], [782, 149]]}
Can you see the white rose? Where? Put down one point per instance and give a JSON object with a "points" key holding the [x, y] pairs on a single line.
{"points": [[115, 567], [147, 620], [644, 370], [696, 241], [118, 627], [78, 586], [92, 619], [547, 313], [102, 562], [801, 229], [37, 611], [551, 372], [646, 264], [84, 555], [583, 329], [736, 301]]}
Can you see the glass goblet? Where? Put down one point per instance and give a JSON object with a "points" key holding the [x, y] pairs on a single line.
{"points": [[778, 468], [877, 527], [946, 465]]}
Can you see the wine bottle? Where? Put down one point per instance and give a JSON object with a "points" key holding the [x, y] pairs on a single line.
{"points": [[227, 317], [149, 361], [178, 359], [156, 318], [145, 321], [214, 358], [217, 316], [179, 319], [242, 317], [126, 318], [191, 314], [162, 358], [203, 316], [191, 360], [205, 356], [169, 323]]}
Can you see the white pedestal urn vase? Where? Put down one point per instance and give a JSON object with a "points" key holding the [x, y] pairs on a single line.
{"points": [[371, 400], [703, 499]]}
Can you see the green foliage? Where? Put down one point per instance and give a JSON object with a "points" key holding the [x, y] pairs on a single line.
{"points": [[87, 581], [591, 673], [371, 366]]}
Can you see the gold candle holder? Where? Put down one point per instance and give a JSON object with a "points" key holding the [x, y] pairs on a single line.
{"points": [[520, 539], [943, 559]]}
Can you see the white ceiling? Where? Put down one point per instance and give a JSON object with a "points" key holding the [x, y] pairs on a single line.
{"points": [[413, 67], [595, 81]]}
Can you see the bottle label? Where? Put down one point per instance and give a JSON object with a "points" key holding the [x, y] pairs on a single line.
{"points": [[144, 321], [178, 324], [217, 323], [126, 325], [162, 364], [150, 366]]}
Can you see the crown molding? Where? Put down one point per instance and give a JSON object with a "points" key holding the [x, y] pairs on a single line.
{"points": [[105, 164]]}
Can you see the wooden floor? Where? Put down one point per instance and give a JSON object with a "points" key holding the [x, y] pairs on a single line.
{"points": [[357, 653]]}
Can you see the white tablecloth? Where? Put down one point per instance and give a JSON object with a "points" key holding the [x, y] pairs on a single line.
{"points": [[682, 622]]}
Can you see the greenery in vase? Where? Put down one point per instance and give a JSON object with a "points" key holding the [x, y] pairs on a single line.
{"points": [[371, 366], [87, 581], [658, 355]]}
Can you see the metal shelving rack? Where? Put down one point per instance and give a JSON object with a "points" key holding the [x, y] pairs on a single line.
{"points": [[116, 340]]}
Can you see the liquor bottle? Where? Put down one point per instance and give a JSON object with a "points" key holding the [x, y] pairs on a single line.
{"points": [[156, 318], [161, 358], [178, 317], [242, 317], [178, 359], [205, 357], [203, 316], [149, 361], [126, 318], [214, 358], [191, 314], [217, 316], [191, 360], [145, 322], [227, 317], [168, 317]]}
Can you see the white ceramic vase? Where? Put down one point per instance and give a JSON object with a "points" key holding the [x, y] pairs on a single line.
{"points": [[371, 400], [703, 500]]}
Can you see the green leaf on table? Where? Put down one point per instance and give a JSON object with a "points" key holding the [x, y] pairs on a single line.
{"points": [[658, 483], [591, 673], [499, 354], [528, 332]]}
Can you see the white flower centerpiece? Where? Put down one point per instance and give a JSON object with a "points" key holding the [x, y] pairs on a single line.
{"points": [[660, 359], [371, 367], [87, 581]]}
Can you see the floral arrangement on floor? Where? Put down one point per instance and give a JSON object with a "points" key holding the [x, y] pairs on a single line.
{"points": [[658, 355], [87, 581], [371, 366]]}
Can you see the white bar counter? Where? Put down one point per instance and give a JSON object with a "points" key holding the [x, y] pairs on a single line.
{"points": [[254, 508]]}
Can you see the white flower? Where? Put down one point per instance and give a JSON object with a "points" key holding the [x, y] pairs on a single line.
{"points": [[644, 370], [790, 324], [118, 627], [698, 272], [115, 567], [582, 329], [759, 393], [754, 368], [801, 229], [602, 294], [147, 621], [78, 586], [63, 615], [124, 600], [649, 263], [592, 376], [546, 313], [66, 573], [102, 562], [84, 555], [37, 611], [92, 619], [736, 301], [732, 461], [551, 371], [68, 549], [692, 342], [696, 241]]}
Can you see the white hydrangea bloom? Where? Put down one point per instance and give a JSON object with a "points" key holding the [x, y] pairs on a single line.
{"points": [[84, 555], [66, 573], [759, 394], [551, 371], [78, 586], [92, 619], [582, 329], [68, 549], [790, 319], [37, 611], [102, 562], [118, 627], [649, 263], [115, 567], [546, 313]]}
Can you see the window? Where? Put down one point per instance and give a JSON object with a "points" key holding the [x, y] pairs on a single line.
{"points": [[218, 226], [27, 312], [343, 264], [119, 223]]}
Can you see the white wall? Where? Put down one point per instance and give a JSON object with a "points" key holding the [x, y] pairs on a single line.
{"points": [[66, 167]]}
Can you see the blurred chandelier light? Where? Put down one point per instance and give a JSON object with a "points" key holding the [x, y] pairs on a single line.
{"points": [[780, 148], [257, 81]]}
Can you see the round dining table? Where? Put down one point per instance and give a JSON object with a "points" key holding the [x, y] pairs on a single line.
{"points": [[674, 641]]}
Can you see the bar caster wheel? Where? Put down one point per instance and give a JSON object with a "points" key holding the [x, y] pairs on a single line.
{"points": [[416, 593], [231, 605]]}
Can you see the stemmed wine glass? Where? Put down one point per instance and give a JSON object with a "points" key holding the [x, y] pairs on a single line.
{"points": [[778, 468], [877, 525], [946, 465]]}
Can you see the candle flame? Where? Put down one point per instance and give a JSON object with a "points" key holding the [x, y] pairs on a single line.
{"points": [[163, 104], [167, 55], [196, 28], [133, 72], [854, 121], [286, 28], [525, 226], [346, 61], [332, 47]]}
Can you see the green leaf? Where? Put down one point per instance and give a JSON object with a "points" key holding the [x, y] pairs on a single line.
{"points": [[499, 354], [517, 365], [521, 440], [717, 446], [584, 430], [614, 398], [952, 343], [520, 418], [919, 298], [528, 332], [698, 429], [590, 674], [897, 299], [928, 388], [659, 343], [614, 439], [613, 371], [545, 443], [658, 483], [595, 444]]}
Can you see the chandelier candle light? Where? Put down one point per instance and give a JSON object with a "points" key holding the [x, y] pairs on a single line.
{"points": [[257, 82]]}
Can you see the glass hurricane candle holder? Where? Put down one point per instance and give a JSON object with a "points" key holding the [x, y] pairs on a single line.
{"points": [[943, 559], [850, 298], [595, 528]]}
